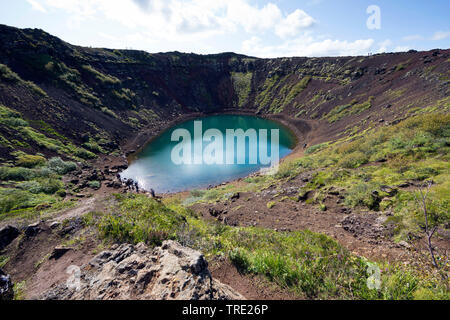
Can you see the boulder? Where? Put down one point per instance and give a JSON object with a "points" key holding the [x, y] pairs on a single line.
{"points": [[58, 252], [7, 235], [171, 272], [33, 229]]}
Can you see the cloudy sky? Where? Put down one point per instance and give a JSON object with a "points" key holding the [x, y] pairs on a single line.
{"points": [[262, 28]]}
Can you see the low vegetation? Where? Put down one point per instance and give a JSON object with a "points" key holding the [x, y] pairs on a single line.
{"points": [[22, 128], [369, 169], [32, 185], [242, 86], [309, 264]]}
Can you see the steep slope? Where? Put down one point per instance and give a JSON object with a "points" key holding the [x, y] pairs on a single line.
{"points": [[113, 94], [376, 130]]}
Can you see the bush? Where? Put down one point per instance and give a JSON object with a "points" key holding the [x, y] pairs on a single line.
{"points": [[42, 185], [61, 167], [15, 199], [141, 219], [84, 154], [316, 148], [353, 160], [94, 185], [11, 199], [30, 161], [362, 195], [16, 174]]}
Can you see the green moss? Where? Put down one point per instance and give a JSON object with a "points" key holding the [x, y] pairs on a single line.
{"points": [[296, 90], [242, 86], [103, 78], [30, 161], [352, 108], [271, 204], [8, 75]]}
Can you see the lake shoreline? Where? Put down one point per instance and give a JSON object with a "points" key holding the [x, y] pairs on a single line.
{"points": [[131, 147]]}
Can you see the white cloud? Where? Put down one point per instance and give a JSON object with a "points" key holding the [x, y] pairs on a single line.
{"points": [[293, 24], [440, 35], [384, 45], [181, 17], [413, 37], [307, 46], [204, 26], [37, 6]]}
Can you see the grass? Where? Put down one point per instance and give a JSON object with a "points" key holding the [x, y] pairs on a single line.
{"points": [[296, 90], [103, 78], [32, 186], [309, 264], [8, 75], [412, 151], [3, 261], [242, 86], [352, 108], [23, 130]]}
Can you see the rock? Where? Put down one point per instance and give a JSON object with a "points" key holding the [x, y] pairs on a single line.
{"points": [[404, 185], [7, 235], [389, 190], [404, 244], [71, 226], [235, 196], [54, 225], [33, 229], [58, 252], [169, 272], [213, 212], [304, 196], [6, 287]]}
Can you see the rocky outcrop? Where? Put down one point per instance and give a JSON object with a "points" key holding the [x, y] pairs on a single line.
{"points": [[6, 287], [171, 272], [7, 235]]}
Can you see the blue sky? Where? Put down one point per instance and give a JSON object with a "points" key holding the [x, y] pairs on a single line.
{"points": [[254, 27]]}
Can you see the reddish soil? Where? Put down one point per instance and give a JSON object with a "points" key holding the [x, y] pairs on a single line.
{"points": [[362, 233]]}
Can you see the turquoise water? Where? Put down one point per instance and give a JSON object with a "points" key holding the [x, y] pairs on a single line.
{"points": [[154, 168]]}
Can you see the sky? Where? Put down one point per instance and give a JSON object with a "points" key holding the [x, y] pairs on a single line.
{"points": [[266, 29]]}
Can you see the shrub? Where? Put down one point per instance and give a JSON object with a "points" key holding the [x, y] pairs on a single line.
{"points": [[103, 78], [16, 173], [242, 86], [30, 161], [7, 74], [362, 195], [316, 148], [94, 184], [353, 160], [84, 154], [141, 220], [62, 193], [42, 185], [61, 167]]}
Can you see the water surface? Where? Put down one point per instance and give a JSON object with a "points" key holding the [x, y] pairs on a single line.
{"points": [[153, 167]]}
